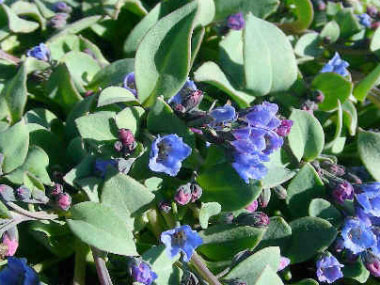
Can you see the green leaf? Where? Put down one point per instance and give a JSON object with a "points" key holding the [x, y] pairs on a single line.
{"points": [[206, 12], [221, 242], [99, 226], [356, 271], [348, 23], [163, 57], [306, 138], [251, 269], [276, 175], [15, 23], [350, 117], [375, 43], [61, 89], [97, 126], [14, 94], [362, 89], [308, 281], [210, 72], [278, 233], [4, 212], [261, 9], [308, 46], [303, 9], [123, 193], [322, 208], [129, 118], [369, 151], [29, 10], [113, 94], [208, 210], [269, 61], [331, 31], [222, 184], [14, 144], [112, 74], [304, 187], [310, 235], [269, 276], [84, 169], [334, 87], [35, 163]]}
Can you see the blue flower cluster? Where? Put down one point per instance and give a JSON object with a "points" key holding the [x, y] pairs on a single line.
{"points": [[329, 269], [18, 273], [364, 19], [256, 140], [360, 235], [40, 52], [336, 65]]}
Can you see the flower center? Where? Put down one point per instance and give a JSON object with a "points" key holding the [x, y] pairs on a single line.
{"points": [[179, 238], [163, 150]]}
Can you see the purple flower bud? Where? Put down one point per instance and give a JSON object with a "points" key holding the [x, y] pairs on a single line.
{"points": [[142, 273], [280, 192], [39, 197], [372, 263], [284, 262], [255, 219], [318, 96], [183, 194], [236, 21], [227, 218], [375, 25], [23, 194], [118, 146], [253, 206], [321, 5], [10, 240], [333, 168], [6, 193], [196, 131], [89, 93], [127, 139], [339, 245], [372, 11], [284, 129], [164, 207], [64, 201], [58, 21], [130, 83], [264, 198], [196, 192], [342, 192], [61, 7], [40, 52], [56, 190]]}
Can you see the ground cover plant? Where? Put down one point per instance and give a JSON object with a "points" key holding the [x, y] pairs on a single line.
{"points": [[189, 142]]}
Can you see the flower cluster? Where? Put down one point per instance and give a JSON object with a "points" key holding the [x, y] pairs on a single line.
{"points": [[141, 272]]}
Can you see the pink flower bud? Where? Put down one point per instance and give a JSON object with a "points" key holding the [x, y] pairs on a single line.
{"points": [[11, 243], [183, 194], [253, 206], [64, 201]]}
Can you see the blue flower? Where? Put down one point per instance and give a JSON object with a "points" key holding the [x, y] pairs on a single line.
{"points": [[142, 273], [364, 19], [167, 154], [18, 273], [40, 52], [223, 115], [249, 166], [183, 239], [357, 237], [329, 269], [187, 98], [236, 21], [101, 165], [337, 65], [130, 83], [369, 199]]}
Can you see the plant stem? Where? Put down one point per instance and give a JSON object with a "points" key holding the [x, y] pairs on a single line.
{"points": [[35, 215], [81, 251], [101, 269], [202, 269]]}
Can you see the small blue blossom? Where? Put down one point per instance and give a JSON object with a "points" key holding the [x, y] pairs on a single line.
{"points": [[101, 166], [179, 239], [357, 237], [167, 154], [223, 115], [364, 19], [369, 199], [61, 6], [40, 52], [337, 65], [329, 269], [18, 273], [187, 98], [129, 83], [142, 273], [236, 21], [249, 166]]}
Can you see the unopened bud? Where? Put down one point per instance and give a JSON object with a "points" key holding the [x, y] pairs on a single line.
{"points": [[62, 7], [64, 201], [280, 192], [264, 197], [196, 192], [192, 100], [372, 263], [183, 194], [118, 146], [39, 197], [236, 21], [227, 218], [88, 93], [10, 240], [253, 206], [6, 193], [321, 5], [164, 207], [23, 194], [255, 219], [372, 11], [284, 262], [339, 245], [309, 106], [342, 192], [375, 25], [56, 189], [58, 21], [127, 139], [333, 168], [318, 96], [353, 178], [284, 129]]}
